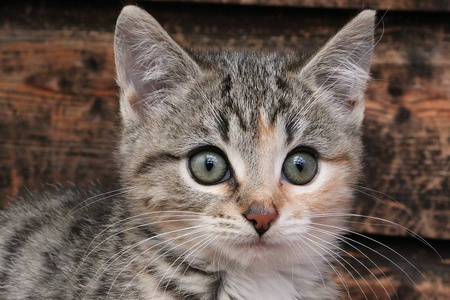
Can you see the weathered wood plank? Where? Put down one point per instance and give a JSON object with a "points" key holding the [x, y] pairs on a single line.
{"points": [[408, 5], [394, 268], [57, 103], [58, 99]]}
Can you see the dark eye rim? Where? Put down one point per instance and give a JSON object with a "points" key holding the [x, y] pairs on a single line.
{"points": [[191, 154], [304, 149]]}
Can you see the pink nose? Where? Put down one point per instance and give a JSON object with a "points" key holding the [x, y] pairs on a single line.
{"points": [[261, 218]]}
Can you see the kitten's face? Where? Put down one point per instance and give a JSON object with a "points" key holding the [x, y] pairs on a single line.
{"points": [[242, 156]]}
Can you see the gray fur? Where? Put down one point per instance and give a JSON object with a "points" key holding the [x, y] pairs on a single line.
{"points": [[74, 244]]}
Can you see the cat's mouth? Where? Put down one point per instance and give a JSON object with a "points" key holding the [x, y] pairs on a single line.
{"points": [[257, 245], [253, 253]]}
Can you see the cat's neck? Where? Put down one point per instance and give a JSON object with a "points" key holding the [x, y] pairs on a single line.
{"points": [[247, 284], [293, 282]]}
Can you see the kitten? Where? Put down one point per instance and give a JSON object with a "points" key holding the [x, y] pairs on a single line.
{"points": [[234, 168]]}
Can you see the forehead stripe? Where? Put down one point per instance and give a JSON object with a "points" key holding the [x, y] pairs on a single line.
{"points": [[226, 86], [223, 127], [152, 161]]}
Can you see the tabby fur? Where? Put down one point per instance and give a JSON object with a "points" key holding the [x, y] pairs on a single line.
{"points": [[162, 235]]}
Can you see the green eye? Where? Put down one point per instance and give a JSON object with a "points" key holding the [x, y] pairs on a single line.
{"points": [[300, 167], [209, 167]]}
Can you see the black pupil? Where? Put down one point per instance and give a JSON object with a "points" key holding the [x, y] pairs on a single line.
{"points": [[299, 163], [210, 161]]}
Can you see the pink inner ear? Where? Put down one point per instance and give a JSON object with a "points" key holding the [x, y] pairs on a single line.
{"points": [[133, 99], [351, 104]]}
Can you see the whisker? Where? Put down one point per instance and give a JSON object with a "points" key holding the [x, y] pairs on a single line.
{"points": [[148, 214], [292, 263], [221, 253], [206, 237], [379, 200], [111, 260], [109, 194], [122, 231], [343, 239], [385, 257], [344, 284], [202, 246], [333, 255], [149, 263], [198, 254], [315, 266], [356, 259], [378, 192], [371, 224], [409, 231]]}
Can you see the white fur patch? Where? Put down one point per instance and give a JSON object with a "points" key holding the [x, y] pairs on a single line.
{"points": [[270, 285]]}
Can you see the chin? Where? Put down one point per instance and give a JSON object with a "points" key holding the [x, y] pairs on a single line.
{"points": [[259, 254]]}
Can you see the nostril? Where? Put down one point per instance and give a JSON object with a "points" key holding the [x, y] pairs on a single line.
{"points": [[253, 221], [261, 219]]}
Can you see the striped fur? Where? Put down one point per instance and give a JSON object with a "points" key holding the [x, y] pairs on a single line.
{"points": [[162, 235]]}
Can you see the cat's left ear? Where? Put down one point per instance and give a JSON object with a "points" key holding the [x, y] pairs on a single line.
{"points": [[151, 67], [340, 70]]}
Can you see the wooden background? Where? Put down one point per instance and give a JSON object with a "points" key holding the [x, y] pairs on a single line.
{"points": [[58, 107]]}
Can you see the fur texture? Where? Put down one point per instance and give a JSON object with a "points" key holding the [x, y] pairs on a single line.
{"points": [[163, 235]]}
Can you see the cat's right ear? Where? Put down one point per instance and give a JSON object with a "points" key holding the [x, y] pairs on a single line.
{"points": [[150, 65], [340, 70]]}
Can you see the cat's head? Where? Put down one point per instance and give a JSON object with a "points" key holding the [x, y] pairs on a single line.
{"points": [[245, 152]]}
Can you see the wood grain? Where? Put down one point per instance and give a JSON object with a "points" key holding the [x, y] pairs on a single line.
{"points": [[408, 5], [393, 268], [58, 99]]}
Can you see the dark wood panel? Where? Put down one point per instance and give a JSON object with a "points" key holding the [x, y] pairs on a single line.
{"points": [[58, 99], [393, 268], [58, 109], [410, 5]]}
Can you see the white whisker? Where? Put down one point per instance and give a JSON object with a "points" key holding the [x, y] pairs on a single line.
{"points": [[387, 247], [357, 260], [342, 280], [336, 256]]}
